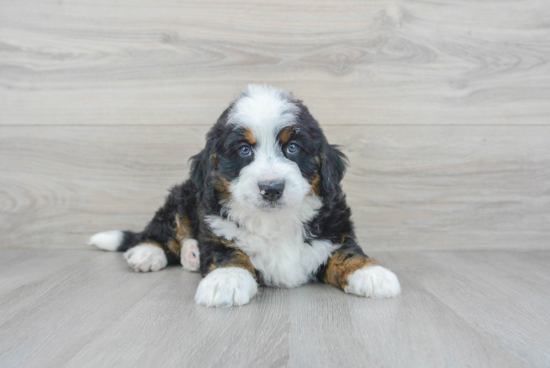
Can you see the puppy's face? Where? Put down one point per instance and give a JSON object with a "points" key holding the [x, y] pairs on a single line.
{"points": [[267, 153]]}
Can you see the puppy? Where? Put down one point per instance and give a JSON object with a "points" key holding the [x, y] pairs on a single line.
{"points": [[263, 206]]}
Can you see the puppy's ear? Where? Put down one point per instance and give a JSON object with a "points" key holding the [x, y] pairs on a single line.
{"points": [[203, 163], [201, 167], [333, 164]]}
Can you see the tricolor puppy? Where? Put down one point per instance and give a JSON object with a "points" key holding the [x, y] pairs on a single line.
{"points": [[263, 206]]}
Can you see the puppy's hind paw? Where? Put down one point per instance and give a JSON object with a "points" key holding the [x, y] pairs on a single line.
{"points": [[190, 255], [226, 287], [374, 282], [146, 257]]}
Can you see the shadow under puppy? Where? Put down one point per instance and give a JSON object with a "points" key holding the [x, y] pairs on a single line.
{"points": [[263, 205]]}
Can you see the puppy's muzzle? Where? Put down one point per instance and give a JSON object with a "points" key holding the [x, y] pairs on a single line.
{"points": [[271, 191]]}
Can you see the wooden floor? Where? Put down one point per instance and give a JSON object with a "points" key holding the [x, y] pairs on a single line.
{"points": [[441, 105], [87, 308]]}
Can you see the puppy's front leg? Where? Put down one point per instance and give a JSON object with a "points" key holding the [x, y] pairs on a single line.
{"points": [[230, 278], [352, 271]]}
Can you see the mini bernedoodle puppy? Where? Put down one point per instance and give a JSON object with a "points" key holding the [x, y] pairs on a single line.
{"points": [[263, 206]]}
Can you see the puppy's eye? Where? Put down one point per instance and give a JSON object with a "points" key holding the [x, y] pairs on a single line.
{"points": [[245, 151], [292, 149]]}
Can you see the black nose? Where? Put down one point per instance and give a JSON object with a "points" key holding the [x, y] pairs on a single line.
{"points": [[271, 190]]}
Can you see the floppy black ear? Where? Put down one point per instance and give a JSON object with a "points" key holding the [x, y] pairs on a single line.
{"points": [[204, 162], [333, 167], [201, 167]]}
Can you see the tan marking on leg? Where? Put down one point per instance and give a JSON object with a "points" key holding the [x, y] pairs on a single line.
{"points": [[237, 258], [241, 260], [186, 223], [183, 228], [220, 240], [181, 231], [249, 136], [174, 246], [342, 264]]}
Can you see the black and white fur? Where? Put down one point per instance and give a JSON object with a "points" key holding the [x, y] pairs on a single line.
{"points": [[248, 235]]}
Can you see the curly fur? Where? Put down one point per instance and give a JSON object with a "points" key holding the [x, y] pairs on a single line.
{"points": [[301, 233]]}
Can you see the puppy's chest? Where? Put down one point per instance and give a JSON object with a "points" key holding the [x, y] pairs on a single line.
{"points": [[282, 257]]}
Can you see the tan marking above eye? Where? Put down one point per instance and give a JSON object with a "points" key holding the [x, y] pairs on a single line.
{"points": [[249, 136], [286, 134]]}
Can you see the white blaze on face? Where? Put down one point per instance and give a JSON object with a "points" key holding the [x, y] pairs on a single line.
{"points": [[272, 239], [265, 111]]}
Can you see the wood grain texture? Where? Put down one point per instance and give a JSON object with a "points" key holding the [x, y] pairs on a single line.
{"points": [[463, 283], [355, 62], [89, 309], [442, 107], [411, 188]]}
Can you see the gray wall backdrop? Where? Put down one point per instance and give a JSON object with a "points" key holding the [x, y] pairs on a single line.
{"points": [[442, 107]]}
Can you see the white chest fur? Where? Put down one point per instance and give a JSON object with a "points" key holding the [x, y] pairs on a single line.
{"points": [[274, 243]]}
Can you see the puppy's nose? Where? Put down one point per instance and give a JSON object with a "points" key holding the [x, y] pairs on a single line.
{"points": [[272, 190]]}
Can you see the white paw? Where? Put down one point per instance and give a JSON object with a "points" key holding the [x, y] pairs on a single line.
{"points": [[373, 281], [146, 257], [189, 255], [225, 287]]}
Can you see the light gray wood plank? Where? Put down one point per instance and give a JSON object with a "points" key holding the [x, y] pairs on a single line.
{"points": [[152, 321], [18, 288], [414, 330], [488, 291], [62, 311], [410, 188], [455, 310], [168, 329], [448, 188], [353, 62]]}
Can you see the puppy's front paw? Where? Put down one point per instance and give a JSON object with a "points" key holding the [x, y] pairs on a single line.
{"points": [[225, 287], [190, 255], [374, 282], [146, 257]]}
